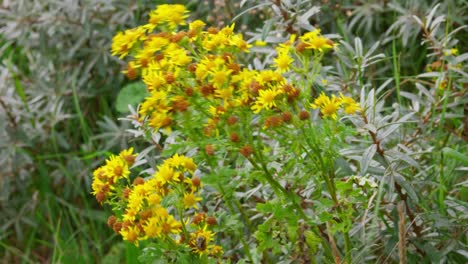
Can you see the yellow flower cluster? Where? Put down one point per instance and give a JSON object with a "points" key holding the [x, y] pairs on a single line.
{"points": [[180, 68], [329, 106], [147, 207], [106, 177]]}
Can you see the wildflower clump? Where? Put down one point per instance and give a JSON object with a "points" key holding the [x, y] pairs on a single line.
{"points": [[204, 100], [111, 174], [160, 207], [329, 106]]}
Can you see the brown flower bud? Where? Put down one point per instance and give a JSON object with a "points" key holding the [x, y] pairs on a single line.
{"points": [[232, 120], [246, 150], [212, 30], [180, 105], [226, 57], [165, 35], [159, 56], [129, 159], [273, 121], [286, 117], [169, 77], [192, 33], [177, 37], [196, 181], [192, 67], [209, 149], [207, 90], [189, 91], [126, 192], [255, 87], [303, 115], [234, 67], [126, 224], [300, 47], [208, 131], [211, 221], [138, 181], [166, 122], [117, 227], [287, 88], [105, 188], [111, 220], [198, 218], [131, 73], [146, 214], [100, 197], [234, 137]]}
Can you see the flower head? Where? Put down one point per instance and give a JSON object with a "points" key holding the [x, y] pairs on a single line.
{"points": [[171, 15], [314, 40], [266, 100]]}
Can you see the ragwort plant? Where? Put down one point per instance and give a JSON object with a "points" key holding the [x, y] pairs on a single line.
{"points": [[252, 134], [286, 167], [55, 78]]}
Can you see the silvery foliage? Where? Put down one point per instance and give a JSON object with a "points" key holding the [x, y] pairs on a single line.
{"points": [[398, 144], [56, 71]]}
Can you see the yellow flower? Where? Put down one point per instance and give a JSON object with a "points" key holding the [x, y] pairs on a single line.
{"points": [[260, 43], [130, 234], [196, 25], [130, 215], [98, 183], [172, 15], [177, 56], [157, 101], [153, 199], [314, 40], [128, 156], [452, 51], [170, 225], [331, 107], [177, 161], [154, 80], [156, 43], [225, 94], [190, 200], [283, 61], [268, 76], [328, 106], [265, 100], [152, 227], [136, 197], [200, 241], [123, 42], [220, 77], [116, 168], [350, 106], [166, 174], [320, 101], [216, 250], [160, 120], [239, 42]]}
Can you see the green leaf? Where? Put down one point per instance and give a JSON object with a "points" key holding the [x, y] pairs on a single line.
{"points": [[312, 241], [132, 94], [449, 152]]}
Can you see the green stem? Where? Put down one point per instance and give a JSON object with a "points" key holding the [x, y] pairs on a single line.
{"points": [[280, 191], [441, 185], [232, 211]]}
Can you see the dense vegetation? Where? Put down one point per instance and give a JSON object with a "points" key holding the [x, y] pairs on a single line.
{"points": [[310, 131]]}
